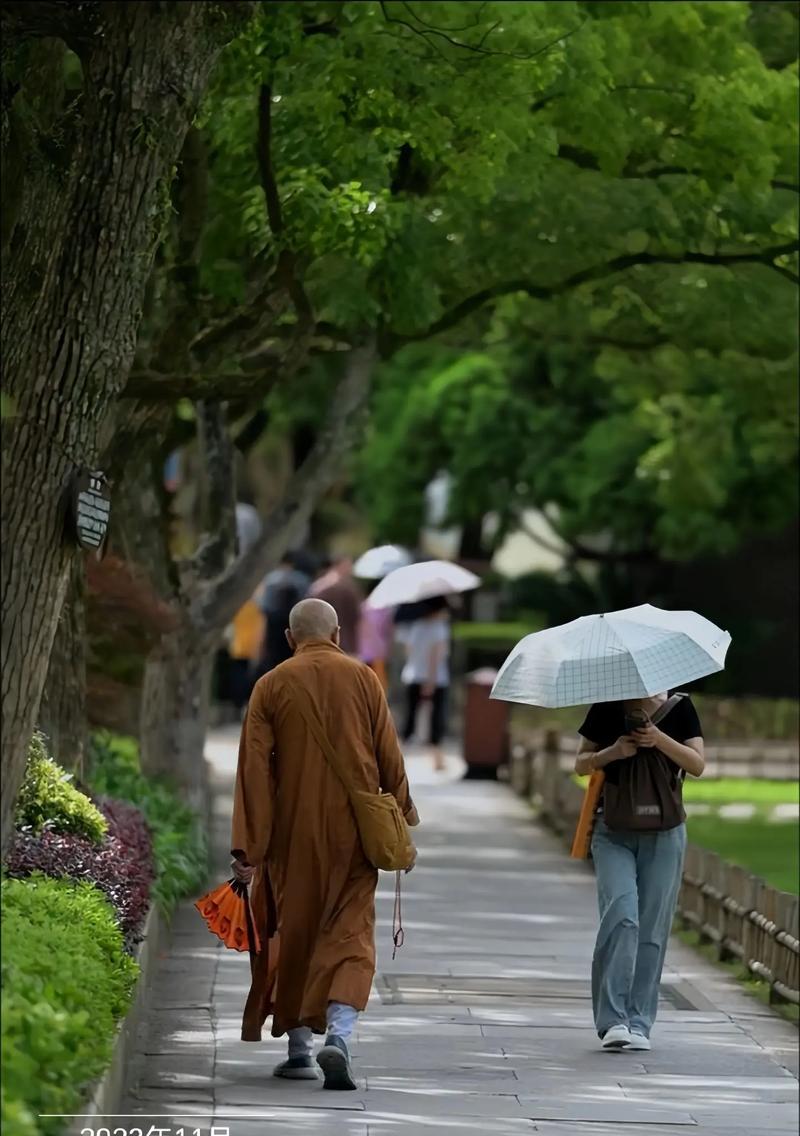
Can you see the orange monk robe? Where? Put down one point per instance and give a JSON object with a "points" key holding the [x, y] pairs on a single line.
{"points": [[313, 893]]}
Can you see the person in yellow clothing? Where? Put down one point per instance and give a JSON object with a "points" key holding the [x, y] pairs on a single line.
{"points": [[244, 650]]}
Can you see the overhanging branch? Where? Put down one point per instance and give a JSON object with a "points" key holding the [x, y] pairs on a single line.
{"points": [[477, 300], [75, 24], [265, 167], [585, 160], [152, 386], [430, 33], [217, 604]]}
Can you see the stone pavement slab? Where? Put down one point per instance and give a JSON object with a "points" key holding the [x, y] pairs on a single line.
{"points": [[482, 1024]]}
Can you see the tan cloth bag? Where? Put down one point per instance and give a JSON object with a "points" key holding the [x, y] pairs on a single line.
{"points": [[385, 835]]}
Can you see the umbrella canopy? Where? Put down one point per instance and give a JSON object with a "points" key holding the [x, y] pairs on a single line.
{"points": [[421, 582], [635, 653], [379, 562]]}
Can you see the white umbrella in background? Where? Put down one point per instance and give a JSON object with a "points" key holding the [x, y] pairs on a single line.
{"points": [[635, 653], [379, 562], [421, 582]]}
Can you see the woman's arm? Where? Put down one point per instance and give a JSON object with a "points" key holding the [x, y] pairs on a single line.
{"points": [[590, 759], [689, 755], [438, 653]]}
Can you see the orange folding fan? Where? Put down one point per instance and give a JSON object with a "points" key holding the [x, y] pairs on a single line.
{"points": [[226, 911]]}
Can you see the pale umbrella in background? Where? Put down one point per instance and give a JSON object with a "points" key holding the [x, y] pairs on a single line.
{"points": [[379, 562], [423, 581], [376, 629]]}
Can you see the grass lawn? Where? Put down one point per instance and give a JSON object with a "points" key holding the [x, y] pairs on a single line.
{"points": [[730, 790], [767, 848]]}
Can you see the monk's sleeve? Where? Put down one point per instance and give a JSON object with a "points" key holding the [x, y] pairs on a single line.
{"points": [[253, 796], [391, 767]]}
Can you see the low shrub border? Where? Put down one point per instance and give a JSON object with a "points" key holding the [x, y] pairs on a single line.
{"points": [[105, 1097], [67, 982], [135, 857], [180, 846], [121, 867]]}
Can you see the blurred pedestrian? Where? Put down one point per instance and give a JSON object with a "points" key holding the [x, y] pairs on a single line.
{"points": [[426, 674], [282, 588], [244, 650], [644, 748], [375, 637], [338, 587], [295, 837]]}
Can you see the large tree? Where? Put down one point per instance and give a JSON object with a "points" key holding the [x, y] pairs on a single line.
{"points": [[336, 193], [96, 99], [389, 172]]}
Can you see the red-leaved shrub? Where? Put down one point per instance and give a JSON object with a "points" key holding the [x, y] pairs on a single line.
{"points": [[121, 866]]}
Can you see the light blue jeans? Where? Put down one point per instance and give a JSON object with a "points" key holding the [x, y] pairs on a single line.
{"points": [[638, 879]]}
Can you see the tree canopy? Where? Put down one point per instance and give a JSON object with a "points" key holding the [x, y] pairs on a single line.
{"points": [[399, 166], [640, 379]]}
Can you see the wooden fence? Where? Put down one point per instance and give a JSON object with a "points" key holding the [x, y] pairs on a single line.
{"points": [[771, 760], [742, 916]]}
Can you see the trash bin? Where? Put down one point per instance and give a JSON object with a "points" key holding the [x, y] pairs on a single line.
{"points": [[486, 733]]}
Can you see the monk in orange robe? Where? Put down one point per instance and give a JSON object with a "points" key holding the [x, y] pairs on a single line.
{"points": [[295, 841]]}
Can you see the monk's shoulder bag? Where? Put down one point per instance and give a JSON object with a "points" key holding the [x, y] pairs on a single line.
{"points": [[384, 832], [645, 794]]}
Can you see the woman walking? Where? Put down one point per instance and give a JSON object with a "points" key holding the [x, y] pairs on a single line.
{"points": [[645, 747], [426, 674]]}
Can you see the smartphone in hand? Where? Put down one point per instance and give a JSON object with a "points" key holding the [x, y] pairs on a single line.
{"points": [[635, 720]]}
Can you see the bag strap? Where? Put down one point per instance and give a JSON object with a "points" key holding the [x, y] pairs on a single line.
{"points": [[665, 708], [662, 712], [308, 712]]}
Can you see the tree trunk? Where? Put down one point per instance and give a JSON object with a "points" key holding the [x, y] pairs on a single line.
{"points": [[62, 718], [75, 275], [175, 699], [217, 603], [174, 713]]}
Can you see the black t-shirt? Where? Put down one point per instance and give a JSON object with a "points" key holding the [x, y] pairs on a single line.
{"points": [[605, 722]]}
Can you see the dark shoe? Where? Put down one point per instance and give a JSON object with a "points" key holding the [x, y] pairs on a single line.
{"points": [[334, 1061], [296, 1069]]}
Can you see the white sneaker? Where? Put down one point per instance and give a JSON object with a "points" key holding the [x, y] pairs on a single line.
{"points": [[618, 1037], [639, 1041]]}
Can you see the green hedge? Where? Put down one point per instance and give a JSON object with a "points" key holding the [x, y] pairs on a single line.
{"points": [[180, 846], [67, 981], [47, 796]]}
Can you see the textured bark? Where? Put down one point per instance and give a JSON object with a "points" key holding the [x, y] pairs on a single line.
{"points": [[174, 712], [218, 491], [74, 279], [175, 696], [62, 718], [218, 602]]}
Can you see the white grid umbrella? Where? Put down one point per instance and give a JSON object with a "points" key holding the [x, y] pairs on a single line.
{"points": [[422, 582], [634, 653]]}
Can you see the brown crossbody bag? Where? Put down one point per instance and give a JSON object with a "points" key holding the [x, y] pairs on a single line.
{"points": [[647, 796]]}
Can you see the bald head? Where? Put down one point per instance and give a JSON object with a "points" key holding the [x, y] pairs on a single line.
{"points": [[313, 619]]}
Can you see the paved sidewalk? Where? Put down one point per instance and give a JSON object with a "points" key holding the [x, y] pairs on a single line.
{"points": [[483, 1023]]}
